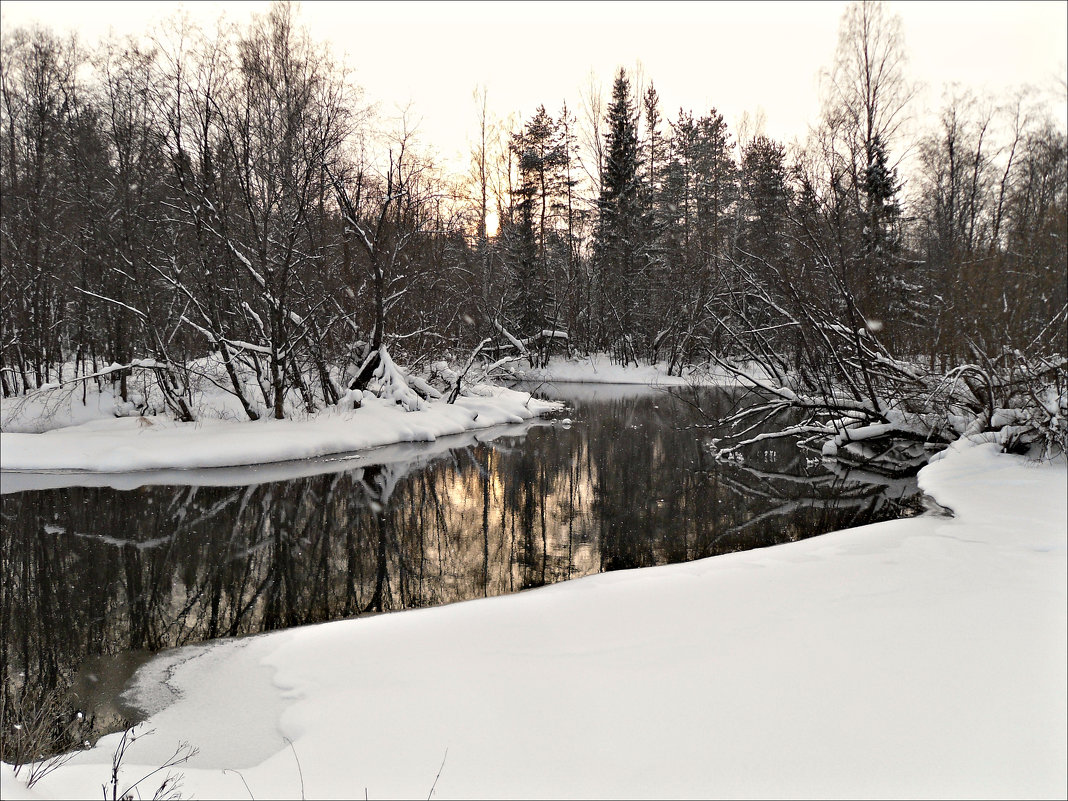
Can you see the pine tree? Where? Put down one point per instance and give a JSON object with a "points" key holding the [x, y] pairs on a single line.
{"points": [[654, 146], [716, 192], [536, 239], [656, 287]]}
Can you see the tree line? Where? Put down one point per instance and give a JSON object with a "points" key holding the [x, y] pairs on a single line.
{"points": [[229, 198], [207, 196]]}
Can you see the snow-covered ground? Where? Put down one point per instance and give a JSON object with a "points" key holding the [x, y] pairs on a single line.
{"points": [[406, 456], [54, 429], [598, 368], [104, 443], [923, 657]]}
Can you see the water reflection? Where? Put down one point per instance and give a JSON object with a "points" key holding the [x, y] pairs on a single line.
{"points": [[92, 571]]}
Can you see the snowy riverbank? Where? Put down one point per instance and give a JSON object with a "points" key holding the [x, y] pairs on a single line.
{"points": [[52, 429], [598, 368], [921, 657], [105, 443]]}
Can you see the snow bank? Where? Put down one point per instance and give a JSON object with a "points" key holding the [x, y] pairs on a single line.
{"points": [[405, 456], [11, 789], [599, 369], [923, 657], [111, 444], [48, 408]]}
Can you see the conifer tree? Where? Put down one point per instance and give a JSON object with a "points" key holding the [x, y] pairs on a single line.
{"points": [[619, 247], [886, 284], [654, 146], [537, 236], [881, 188], [765, 199]]}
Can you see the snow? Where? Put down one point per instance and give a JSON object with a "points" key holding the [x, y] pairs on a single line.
{"points": [[52, 429], [51, 407], [599, 369], [121, 444], [11, 789], [922, 657], [406, 454]]}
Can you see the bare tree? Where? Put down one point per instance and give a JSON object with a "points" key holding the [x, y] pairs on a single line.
{"points": [[287, 119], [866, 96], [38, 101]]}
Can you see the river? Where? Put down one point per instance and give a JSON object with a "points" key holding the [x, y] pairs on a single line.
{"points": [[99, 572]]}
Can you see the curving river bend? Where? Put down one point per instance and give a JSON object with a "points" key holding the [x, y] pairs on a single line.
{"points": [[98, 572]]}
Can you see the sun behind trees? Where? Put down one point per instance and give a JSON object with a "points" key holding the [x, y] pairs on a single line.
{"points": [[208, 208]]}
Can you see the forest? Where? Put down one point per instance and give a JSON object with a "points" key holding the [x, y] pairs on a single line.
{"points": [[273, 369], [223, 207]]}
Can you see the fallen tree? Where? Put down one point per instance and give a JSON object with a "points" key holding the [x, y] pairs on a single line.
{"points": [[865, 407]]}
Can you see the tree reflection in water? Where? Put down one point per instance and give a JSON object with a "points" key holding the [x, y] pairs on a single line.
{"points": [[93, 571]]}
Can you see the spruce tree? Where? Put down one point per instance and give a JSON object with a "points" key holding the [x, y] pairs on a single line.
{"points": [[765, 199], [881, 188], [619, 247], [885, 285]]}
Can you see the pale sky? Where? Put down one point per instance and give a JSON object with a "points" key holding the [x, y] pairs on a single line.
{"points": [[736, 56]]}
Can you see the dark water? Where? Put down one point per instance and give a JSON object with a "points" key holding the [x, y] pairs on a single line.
{"points": [[95, 579]]}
